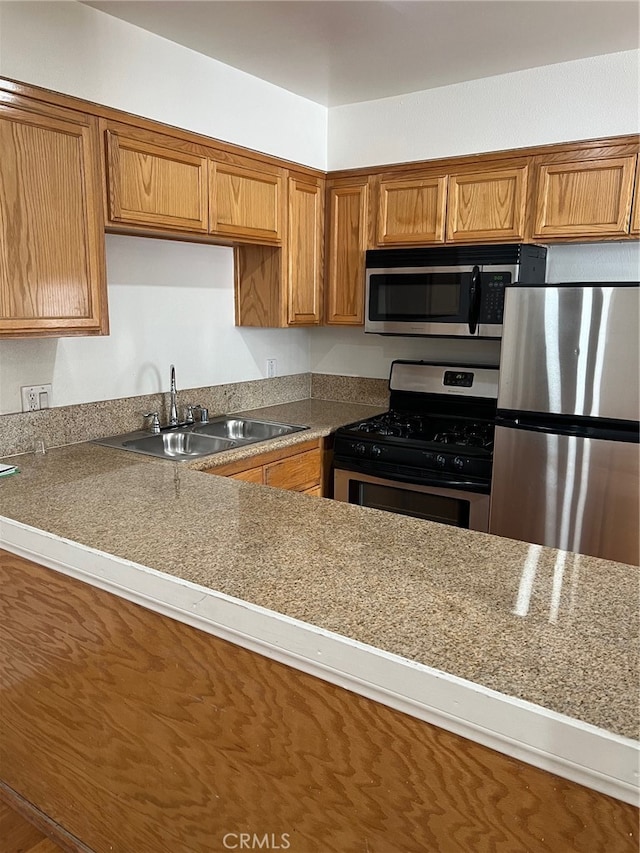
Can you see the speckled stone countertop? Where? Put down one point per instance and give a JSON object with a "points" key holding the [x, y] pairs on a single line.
{"points": [[559, 630]]}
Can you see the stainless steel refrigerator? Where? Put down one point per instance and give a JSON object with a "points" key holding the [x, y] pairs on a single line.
{"points": [[566, 455]]}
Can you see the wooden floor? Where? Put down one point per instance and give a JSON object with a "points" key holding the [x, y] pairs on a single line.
{"points": [[19, 836]]}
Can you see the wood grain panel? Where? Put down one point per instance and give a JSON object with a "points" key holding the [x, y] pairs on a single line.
{"points": [[412, 211], [588, 198], [52, 271], [304, 252], [264, 458], [251, 475], [153, 736], [635, 213], [346, 246], [155, 185], [258, 272], [16, 834], [245, 203], [297, 473], [49, 837], [487, 206]]}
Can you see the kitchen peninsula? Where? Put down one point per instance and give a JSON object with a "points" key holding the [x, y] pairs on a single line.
{"points": [[197, 656]]}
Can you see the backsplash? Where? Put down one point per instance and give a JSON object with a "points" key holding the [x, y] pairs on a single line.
{"points": [[83, 422], [350, 389], [86, 421]]}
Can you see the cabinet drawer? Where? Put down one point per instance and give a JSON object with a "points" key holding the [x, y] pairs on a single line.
{"points": [[296, 473], [252, 475]]}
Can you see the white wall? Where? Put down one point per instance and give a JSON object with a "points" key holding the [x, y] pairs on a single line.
{"points": [[583, 99], [169, 302], [80, 51], [351, 352]]}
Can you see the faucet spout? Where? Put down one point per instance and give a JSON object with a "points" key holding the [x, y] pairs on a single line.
{"points": [[173, 408]]}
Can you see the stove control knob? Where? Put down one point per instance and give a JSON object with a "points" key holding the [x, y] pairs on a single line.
{"points": [[360, 449], [458, 463], [375, 450], [440, 460]]}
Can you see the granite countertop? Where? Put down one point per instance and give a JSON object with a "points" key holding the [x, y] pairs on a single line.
{"points": [[559, 630]]}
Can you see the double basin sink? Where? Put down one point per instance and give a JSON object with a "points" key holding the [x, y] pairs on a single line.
{"points": [[195, 440]]}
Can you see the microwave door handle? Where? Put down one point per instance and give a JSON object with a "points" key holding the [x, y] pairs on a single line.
{"points": [[474, 300]]}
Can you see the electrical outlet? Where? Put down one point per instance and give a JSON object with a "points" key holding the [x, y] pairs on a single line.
{"points": [[35, 397], [272, 366]]}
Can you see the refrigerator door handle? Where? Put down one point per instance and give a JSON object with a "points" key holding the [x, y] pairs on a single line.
{"points": [[474, 300]]}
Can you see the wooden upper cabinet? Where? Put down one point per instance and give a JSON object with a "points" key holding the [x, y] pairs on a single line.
{"points": [[154, 184], [635, 212], [485, 206], [305, 251], [246, 202], [52, 270], [282, 286], [347, 215], [412, 211], [584, 198]]}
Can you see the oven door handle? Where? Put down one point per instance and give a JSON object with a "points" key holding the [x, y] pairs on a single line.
{"points": [[475, 296]]}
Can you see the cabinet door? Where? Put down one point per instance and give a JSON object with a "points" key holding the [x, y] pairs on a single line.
{"points": [[304, 252], [155, 185], [635, 213], [585, 198], [245, 203], [487, 206], [412, 211], [296, 473], [52, 272], [346, 246]]}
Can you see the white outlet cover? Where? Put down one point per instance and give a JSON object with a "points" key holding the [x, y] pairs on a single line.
{"points": [[33, 396]]}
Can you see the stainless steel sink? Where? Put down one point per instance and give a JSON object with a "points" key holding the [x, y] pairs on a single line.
{"points": [[191, 441], [178, 444], [245, 430]]}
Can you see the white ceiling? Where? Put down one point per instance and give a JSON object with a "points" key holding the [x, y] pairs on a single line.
{"points": [[336, 52]]}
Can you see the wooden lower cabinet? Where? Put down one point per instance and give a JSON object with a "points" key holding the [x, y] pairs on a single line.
{"points": [[297, 469], [136, 733]]}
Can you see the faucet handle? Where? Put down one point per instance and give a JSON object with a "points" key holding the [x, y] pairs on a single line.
{"points": [[204, 414], [188, 416], [155, 423]]}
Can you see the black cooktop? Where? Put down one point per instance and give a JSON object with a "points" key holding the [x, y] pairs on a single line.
{"points": [[460, 432]]}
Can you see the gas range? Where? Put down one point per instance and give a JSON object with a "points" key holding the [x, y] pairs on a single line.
{"points": [[438, 431]]}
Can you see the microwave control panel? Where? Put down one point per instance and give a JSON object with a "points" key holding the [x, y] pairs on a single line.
{"points": [[492, 303]]}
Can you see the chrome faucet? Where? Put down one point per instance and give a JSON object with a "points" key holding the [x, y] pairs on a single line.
{"points": [[173, 408]]}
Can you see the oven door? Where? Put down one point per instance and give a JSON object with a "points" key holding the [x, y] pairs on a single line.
{"points": [[445, 506]]}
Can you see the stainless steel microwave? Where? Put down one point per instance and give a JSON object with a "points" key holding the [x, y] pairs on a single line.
{"points": [[451, 291]]}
